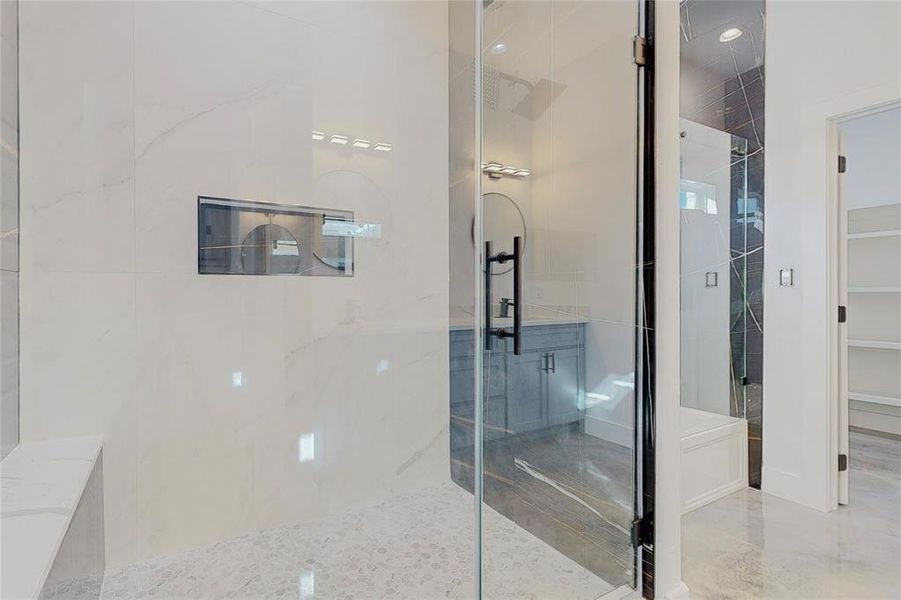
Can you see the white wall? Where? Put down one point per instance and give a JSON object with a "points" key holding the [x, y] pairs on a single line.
{"points": [[129, 112], [874, 174], [849, 59], [668, 467]]}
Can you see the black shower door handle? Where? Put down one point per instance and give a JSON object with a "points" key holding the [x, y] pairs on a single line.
{"points": [[501, 258]]}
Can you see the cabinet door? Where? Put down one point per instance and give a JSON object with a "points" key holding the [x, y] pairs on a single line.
{"points": [[525, 401], [564, 383]]}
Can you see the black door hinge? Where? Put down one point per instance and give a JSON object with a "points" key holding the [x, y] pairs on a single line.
{"points": [[842, 163], [842, 314], [745, 380], [842, 462], [642, 532], [640, 50]]}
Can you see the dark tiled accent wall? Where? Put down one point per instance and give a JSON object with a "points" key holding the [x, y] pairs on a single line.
{"points": [[744, 117]]}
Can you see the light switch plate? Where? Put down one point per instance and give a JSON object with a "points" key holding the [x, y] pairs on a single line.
{"points": [[786, 277], [712, 279]]}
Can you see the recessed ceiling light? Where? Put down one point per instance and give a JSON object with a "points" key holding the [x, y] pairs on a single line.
{"points": [[358, 143], [382, 147], [339, 139], [730, 34], [499, 48]]}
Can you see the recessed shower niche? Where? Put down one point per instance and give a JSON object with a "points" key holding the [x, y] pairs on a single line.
{"points": [[239, 237]]}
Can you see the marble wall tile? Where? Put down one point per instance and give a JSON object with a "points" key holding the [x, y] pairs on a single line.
{"points": [[77, 169], [204, 385], [222, 108], [9, 360], [9, 227], [79, 377], [205, 402], [9, 136]]}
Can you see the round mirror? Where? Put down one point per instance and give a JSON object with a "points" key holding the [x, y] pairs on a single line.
{"points": [[330, 249], [270, 249], [501, 222]]}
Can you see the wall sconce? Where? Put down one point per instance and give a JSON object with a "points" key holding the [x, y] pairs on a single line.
{"points": [[496, 170], [344, 140]]}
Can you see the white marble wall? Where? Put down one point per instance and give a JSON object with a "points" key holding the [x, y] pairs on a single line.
{"points": [[9, 227], [132, 110]]}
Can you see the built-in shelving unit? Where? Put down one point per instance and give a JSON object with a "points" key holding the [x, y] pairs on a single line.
{"points": [[874, 234], [874, 290], [874, 344], [874, 324], [874, 398]]}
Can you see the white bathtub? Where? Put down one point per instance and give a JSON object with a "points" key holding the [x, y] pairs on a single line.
{"points": [[714, 457]]}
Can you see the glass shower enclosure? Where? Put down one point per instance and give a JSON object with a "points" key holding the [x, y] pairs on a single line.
{"points": [[545, 240], [355, 294]]}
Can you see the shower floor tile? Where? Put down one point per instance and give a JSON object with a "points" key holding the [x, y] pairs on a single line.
{"points": [[418, 546]]}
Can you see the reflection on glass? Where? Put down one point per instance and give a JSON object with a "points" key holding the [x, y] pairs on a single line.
{"points": [[256, 238], [713, 259]]}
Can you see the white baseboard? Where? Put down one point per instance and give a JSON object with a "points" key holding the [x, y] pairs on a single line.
{"points": [[680, 592], [608, 430], [789, 486]]}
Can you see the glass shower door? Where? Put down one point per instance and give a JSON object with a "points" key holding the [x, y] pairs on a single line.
{"points": [[558, 237]]}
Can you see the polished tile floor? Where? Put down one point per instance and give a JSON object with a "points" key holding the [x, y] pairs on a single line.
{"points": [[752, 545], [571, 490]]}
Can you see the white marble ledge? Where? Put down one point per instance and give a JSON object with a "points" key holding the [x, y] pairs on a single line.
{"points": [[457, 325], [40, 486]]}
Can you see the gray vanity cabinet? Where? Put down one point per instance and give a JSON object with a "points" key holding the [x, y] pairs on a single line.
{"points": [[526, 391], [542, 387], [564, 392]]}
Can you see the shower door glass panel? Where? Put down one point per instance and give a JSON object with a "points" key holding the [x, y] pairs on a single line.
{"points": [[718, 220], [559, 171]]}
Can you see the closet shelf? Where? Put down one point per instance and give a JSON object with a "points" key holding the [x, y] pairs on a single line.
{"points": [[874, 290], [877, 344], [874, 398], [874, 234]]}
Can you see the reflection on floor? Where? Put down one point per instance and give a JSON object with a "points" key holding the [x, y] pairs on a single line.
{"points": [[751, 545], [572, 490], [419, 546]]}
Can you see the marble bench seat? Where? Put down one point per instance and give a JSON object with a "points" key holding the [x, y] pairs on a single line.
{"points": [[42, 486]]}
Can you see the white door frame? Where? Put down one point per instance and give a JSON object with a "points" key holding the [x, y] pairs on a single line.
{"points": [[864, 103]]}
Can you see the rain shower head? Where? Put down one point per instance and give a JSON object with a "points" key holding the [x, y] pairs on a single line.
{"points": [[540, 97]]}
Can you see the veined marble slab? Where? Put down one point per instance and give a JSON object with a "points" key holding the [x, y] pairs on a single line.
{"points": [[528, 322], [40, 485]]}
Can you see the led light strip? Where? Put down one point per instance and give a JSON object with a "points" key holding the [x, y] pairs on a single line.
{"points": [[496, 170], [343, 140]]}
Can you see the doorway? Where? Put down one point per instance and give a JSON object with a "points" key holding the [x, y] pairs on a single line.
{"points": [[869, 280]]}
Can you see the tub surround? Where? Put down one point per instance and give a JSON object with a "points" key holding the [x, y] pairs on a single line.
{"points": [[714, 456], [42, 484]]}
